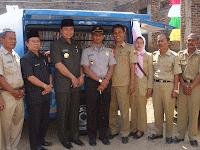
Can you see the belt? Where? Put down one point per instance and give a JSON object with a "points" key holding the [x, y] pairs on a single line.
{"points": [[161, 80], [188, 81]]}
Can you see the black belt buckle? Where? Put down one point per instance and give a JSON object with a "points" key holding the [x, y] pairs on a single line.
{"points": [[161, 81]]}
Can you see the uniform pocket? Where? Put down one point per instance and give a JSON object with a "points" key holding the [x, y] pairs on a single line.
{"points": [[9, 68]]}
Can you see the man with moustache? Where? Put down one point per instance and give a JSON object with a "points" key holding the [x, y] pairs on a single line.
{"points": [[98, 63], [68, 77], [166, 77], [188, 99], [37, 77], [11, 83]]}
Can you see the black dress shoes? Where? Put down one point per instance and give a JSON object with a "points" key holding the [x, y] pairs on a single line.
{"points": [[45, 143], [67, 145], [124, 140], [153, 137], [137, 136], [177, 140], [194, 143], [77, 142], [92, 142], [105, 141], [111, 136], [38, 148], [169, 140]]}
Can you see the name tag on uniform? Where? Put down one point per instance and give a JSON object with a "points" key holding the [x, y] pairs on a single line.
{"points": [[91, 55], [37, 65], [9, 61], [65, 50]]}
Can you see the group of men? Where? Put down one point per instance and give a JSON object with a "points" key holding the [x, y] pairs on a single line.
{"points": [[103, 93]]}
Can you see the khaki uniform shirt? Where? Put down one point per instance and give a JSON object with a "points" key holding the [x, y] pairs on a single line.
{"points": [[98, 60], [10, 68], [124, 55], [166, 66], [190, 65], [146, 81]]}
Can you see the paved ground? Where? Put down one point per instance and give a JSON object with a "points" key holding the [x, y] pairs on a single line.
{"points": [[140, 144]]}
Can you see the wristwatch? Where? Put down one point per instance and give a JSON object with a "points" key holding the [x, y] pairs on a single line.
{"points": [[177, 91], [100, 80]]}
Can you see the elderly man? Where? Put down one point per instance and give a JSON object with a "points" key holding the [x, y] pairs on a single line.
{"points": [[166, 77], [11, 81], [188, 99]]}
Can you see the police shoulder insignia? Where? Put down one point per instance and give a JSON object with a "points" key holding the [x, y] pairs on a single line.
{"points": [[107, 53]]}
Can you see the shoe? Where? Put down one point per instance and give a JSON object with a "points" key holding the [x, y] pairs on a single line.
{"points": [[153, 137], [132, 134], [77, 142], [124, 140], [38, 148], [169, 140], [67, 145], [45, 143], [137, 136], [177, 140], [194, 143], [111, 136], [92, 142], [105, 141]]}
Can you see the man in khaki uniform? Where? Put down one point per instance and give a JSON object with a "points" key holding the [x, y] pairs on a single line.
{"points": [[11, 81], [122, 83], [166, 77], [188, 99]]}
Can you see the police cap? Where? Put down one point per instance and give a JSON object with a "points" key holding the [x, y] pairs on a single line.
{"points": [[97, 29]]}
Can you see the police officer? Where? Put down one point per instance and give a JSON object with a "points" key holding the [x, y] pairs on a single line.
{"points": [[38, 85], [123, 83], [98, 63], [188, 99], [166, 77], [11, 81], [68, 77]]}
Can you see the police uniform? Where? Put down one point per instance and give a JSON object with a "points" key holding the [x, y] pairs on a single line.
{"points": [[188, 105], [67, 98], [165, 67], [139, 99], [12, 117], [98, 61], [38, 105], [124, 55]]}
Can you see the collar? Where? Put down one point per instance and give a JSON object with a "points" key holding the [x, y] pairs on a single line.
{"points": [[5, 51], [195, 52], [102, 47], [31, 54], [167, 53], [123, 44], [62, 39]]}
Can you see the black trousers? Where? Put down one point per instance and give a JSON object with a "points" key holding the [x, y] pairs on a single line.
{"points": [[38, 122], [97, 107], [68, 105]]}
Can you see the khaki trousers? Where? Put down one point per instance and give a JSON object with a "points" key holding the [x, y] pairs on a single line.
{"points": [[119, 96], [163, 102], [12, 119], [188, 112], [138, 112]]}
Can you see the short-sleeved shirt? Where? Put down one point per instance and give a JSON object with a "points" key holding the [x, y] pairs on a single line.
{"points": [[124, 55], [190, 65], [70, 56], [32, 65], [10, 68], [166, 66], [98, 60]]}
